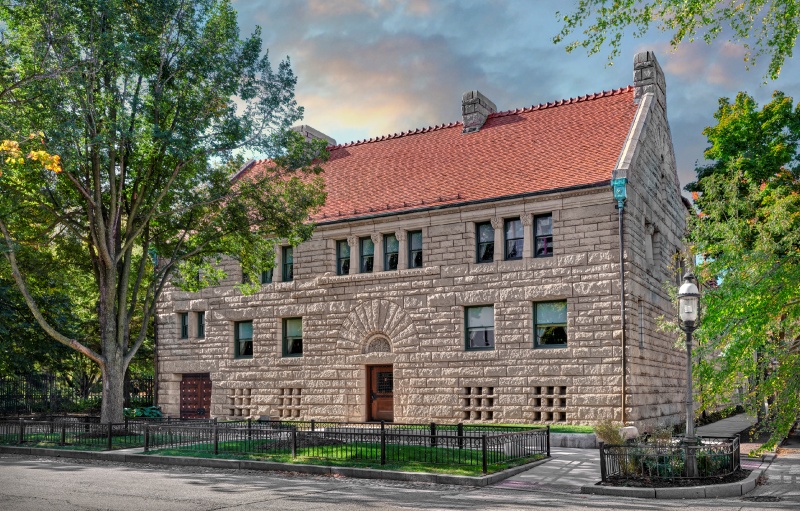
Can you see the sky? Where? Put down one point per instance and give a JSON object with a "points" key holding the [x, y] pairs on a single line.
{"points": [[368, 68]]}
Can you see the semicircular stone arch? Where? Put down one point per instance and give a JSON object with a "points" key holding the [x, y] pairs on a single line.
{"points": [[376, 317]]}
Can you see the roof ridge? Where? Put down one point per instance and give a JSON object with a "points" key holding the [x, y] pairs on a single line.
{"points": [[437, 127]]}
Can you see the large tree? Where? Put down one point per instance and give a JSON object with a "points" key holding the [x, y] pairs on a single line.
{"points": [[155, 100], [747, 236], [764, 27]]}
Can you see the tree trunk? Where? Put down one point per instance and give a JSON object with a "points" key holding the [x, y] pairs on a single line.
{"points": [[113, 390]]}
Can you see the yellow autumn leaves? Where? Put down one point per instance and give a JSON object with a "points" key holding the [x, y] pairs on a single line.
{"points": [[12, 154]]}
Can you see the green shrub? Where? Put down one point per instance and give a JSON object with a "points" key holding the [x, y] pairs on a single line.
{"points": [[148, 412], [608, 432]]}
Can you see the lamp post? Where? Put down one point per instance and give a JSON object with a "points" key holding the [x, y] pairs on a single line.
{"points": [[688, 305]]}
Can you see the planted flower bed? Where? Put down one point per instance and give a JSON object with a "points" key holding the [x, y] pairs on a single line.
{"points": [[715, 459]]}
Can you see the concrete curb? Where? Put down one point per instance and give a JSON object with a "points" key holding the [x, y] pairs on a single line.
{"points": [[361, 473], [713, 491]]}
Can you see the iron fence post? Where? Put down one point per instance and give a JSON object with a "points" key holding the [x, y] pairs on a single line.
{"points": [[294, 441], [483, 454], [460, 433], [433, 434], [548, 440], [383, 443], [602, 463], [126, 426], [249, 428], [216, 438], [63, 433], [312, 425], [21, 438], [110, 434], [146, 437]]}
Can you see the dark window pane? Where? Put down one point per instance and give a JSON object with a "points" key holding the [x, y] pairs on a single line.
{"points": [[294, 346], [366, 264], [391, 262], [184, 325], [201, 324], [544, 246], [552, 335], [514, 229], [266, 277], [481, 339], [288, 264], [416, 259], [486, 252], [367, 246], [245, 348], [344, 267], [514, 249]]}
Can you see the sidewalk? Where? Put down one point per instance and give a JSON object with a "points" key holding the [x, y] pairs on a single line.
{"points": [[566, 472], [782, 475], [727, 427]]}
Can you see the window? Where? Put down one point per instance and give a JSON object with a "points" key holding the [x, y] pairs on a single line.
{"points": [[415, 249], [288, 264], [266, 277], [293, 337], [543, 235], [201, 324], [342, 257], [514, 234], [550, 324], [243, 339], [485, 237], [184, 318], [391, 251], [367, 254], [480, 327]]}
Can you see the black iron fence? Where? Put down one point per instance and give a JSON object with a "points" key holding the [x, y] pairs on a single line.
{"points": [[670, 460], [479, 446], [454, 445], [72, 434], [47, 394]]}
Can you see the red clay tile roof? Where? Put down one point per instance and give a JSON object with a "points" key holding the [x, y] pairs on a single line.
{"points": [[567, 143]]}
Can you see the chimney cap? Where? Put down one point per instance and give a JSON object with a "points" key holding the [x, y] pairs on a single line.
{"points": [[475, 109], [313, 134]]}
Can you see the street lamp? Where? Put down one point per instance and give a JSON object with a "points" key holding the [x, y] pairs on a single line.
{"points": [[688, 305]]}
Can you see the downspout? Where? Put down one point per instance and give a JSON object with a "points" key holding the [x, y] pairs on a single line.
{"points": [[619, 187]]}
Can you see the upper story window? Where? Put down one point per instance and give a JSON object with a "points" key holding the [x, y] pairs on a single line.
{"points": [[479, 323], [292, 337], [391, 252], [184, 319], [514, 234], [543, 235], [415, 249], [485, 238], [266, 277], [243, 339], [550, 324], [201, 324], [342, 257], [288, 264], [367, 254]]}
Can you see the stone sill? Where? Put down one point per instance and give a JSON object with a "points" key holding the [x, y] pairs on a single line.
{"points": [[331, 279]]}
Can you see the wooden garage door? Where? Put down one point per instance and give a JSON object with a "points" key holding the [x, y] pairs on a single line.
{"points": [[196, 396]]}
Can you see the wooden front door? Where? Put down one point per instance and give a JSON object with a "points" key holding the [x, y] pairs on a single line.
{"points": [[196, 396], [381, 393]]}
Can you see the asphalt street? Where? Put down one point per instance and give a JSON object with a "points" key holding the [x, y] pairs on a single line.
{"points": [[53, 484]]}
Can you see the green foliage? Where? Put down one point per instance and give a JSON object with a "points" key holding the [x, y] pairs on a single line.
{"points": [[747, 235], [151, 412], [608, 432], [150, 108], [764, 27]]}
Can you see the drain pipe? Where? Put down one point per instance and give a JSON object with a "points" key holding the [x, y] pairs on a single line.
{"points": [[619, 187]]}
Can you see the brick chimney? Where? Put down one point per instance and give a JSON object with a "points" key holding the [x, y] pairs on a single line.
{"points": [[475, 108], [312, 134], [648, 77]]}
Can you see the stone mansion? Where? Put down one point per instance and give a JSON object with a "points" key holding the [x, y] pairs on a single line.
{"points": [[459, 273]]}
